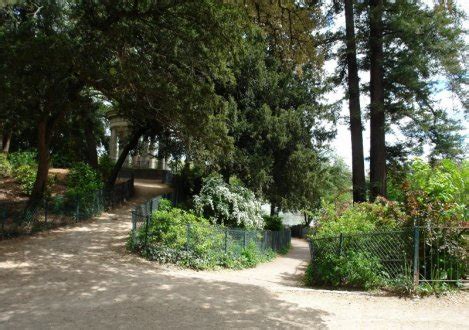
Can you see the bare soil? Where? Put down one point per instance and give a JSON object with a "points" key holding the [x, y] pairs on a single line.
{"points": [[10, 190], [82, 277]]}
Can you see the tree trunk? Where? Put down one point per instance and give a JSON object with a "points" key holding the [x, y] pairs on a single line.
{"points": [[43, 165], [307, 220], [91, 144], [377, 116], [273, 210], [6, 140], [131, 144], [358, 166]]}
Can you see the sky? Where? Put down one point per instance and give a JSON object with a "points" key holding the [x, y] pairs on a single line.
{"points": [[342, 144]]}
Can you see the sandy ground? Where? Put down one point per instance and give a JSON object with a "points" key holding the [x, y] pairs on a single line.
{"points": [[81, 277]]}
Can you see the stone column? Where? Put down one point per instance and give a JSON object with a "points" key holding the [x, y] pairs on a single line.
{"points": [[113, 145]]}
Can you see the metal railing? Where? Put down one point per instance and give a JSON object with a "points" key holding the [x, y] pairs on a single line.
{"points": [[427, 254], [56, 211], [234, 240]]}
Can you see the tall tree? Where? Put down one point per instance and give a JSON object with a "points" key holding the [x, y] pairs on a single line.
{"points": [[157, 65], [377, 116], [358, 162], [413, 51], [276, 115], [40, 71]]}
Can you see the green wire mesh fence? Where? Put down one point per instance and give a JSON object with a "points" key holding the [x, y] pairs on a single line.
{"points": [[426, 254], [214, 237], [56, 211]]}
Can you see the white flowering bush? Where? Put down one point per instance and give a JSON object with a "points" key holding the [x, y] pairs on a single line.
{"points": [[229, 205]]}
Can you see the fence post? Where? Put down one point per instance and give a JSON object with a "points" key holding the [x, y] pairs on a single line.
{"points": [[226, 240], [244, 239], [147, 223], [264, 243], [341, 243], [416, 274]]}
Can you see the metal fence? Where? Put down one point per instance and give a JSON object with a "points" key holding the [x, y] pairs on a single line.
{"points": [[222, 239], [427, 254], [56, 211]]}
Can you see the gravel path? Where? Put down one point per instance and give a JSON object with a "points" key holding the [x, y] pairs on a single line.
{"points": [[81, 277]]}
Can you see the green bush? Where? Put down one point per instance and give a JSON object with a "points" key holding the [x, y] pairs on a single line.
{"points": [[105, 165], [22, 158], [360, 218], [188, 182], [165, 205], [352, 269], [228, 205], [273, 223], [183, 238], [437, 195], [82, 181], [61, 160], [5, 166], [25, 175]]}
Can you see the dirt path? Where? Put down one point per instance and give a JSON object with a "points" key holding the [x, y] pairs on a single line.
{"points": [[82, 277]]}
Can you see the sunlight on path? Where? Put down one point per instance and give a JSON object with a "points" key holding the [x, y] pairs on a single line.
{"points": [[81, 276]]}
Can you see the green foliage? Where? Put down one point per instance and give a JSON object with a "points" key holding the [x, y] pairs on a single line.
{"points": [[424, 49], [24, 169], [165, 205], [360, 218], [353, 269], [20, 158], [183, 238], [5, 166], [430, 196], [25, 175], [105, 166], [273, 223], [447, 181], [188, 182], [61, 160], [279, 123], [229, 205], [82, 181], [437, 194]]}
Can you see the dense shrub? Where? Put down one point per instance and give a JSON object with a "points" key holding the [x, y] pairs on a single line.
{"points": [[23, 167], [437, 195], [187, 181], [5, 166], [59, 160], [25, 175], [22, 158], [433, 197], [183, 238], [105, 165], [273, 223], [360, 218], [82, 180], [352, 269], [229, 205]]}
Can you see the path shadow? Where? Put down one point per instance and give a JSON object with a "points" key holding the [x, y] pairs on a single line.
{"points": [[111, 294]]}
